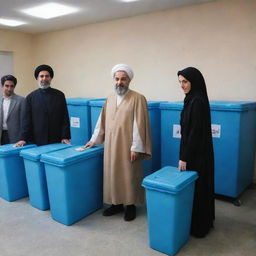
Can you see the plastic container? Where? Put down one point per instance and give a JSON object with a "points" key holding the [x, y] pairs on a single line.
{"points": [[13, 184], [75, 181], [170, 132], [169, 196], [35, 174], [234, 142], [154, 163], [80, 119], [96, 108]]}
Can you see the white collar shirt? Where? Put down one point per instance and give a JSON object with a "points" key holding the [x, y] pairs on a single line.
{"points": [[6, 106]]}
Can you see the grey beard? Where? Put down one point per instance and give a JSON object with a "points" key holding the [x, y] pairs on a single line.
{"points": [[121, 90], [43, 86]]}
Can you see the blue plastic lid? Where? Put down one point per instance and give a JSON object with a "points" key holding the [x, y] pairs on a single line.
{"points": [[169, 180], [153, 104], [9, 149], [232, 105], [78, 101], [172, 105], [99, 103], [35, 153], [215, 105], [70, 155]]}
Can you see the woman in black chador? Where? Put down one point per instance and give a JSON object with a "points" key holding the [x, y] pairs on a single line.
{"points": [[196, 150]]}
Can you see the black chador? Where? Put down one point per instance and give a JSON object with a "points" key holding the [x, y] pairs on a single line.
{"points": [[196, 149]]}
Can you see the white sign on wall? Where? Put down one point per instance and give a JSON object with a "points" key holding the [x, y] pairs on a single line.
{"points": [[176, 131], [75, 122]]}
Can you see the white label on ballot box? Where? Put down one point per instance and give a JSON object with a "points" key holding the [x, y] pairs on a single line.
{"points": [[216, 130], [176, 131], [75, 122]]}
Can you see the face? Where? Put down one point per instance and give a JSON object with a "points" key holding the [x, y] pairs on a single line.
{"points": [[8, 88], [44, 79], [185, 84], [121, 81]]}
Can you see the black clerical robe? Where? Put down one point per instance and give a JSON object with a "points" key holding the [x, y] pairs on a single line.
{"points": [[46, 117], [196, 149]]}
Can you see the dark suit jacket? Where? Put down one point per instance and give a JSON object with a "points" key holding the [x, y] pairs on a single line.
{"points": [[14, 118]]}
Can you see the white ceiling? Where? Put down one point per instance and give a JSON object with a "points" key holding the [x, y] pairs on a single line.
{"points": [[91, 11]]}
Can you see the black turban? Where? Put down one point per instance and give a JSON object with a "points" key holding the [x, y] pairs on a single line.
{"points": [[43, 68], [9, 78]]}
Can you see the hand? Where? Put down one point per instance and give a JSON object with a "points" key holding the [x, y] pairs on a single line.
{"points": [[89, 144], [20, 143], [134, 156], [65, 141], [182, 165]]}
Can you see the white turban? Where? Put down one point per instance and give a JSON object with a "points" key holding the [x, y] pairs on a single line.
{"points": [[122, 67]]}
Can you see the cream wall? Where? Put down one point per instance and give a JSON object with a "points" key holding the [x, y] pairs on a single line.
{"points": [[218, 37], [20, 45]]}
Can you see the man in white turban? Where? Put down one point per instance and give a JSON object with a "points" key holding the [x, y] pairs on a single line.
{"points": [[123, 126]]}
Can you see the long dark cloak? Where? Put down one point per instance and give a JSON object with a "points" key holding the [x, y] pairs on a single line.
{"points": [[196, 149], [46, 117]]}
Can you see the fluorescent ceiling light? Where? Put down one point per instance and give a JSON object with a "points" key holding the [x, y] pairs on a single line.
{"points": [[49, 10], [11, 23]]}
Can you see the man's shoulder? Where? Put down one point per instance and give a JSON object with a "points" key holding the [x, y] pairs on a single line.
{"points": [[57, 92], [18, 97], [137, 95], [112, 95], [35, 92], [51, 90]]}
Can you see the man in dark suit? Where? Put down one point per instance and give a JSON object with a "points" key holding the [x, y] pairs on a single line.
{"points": [[46, 118], [11, 111]]}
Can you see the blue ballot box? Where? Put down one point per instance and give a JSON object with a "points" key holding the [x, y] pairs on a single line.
{"points": [[96, 107], [154, 163], [234, 142], [169, 196], [170, 132], [35, 174], [13, 184], [80, 119], [75, 181]]}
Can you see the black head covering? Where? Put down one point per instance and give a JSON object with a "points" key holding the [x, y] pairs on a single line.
{"points": [[195, 77], [8, 78], [198, 87], [43, 68]]}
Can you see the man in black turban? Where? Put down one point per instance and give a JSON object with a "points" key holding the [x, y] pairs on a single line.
{"points": [[46, 116], [43, 68]]}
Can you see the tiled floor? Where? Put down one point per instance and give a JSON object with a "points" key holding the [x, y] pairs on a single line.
{"points": [[26, 231]]}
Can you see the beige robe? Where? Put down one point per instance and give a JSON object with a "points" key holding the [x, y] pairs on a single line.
{"points": [[122, 178]]}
